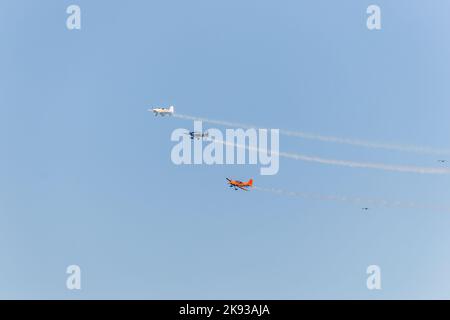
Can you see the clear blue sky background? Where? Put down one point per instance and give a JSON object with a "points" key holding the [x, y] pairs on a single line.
{"points": [[86, 176]]}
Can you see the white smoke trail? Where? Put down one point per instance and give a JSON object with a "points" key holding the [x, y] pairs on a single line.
{"points": [[368, 165], [344, 163], [331, 139], [354, 200]]}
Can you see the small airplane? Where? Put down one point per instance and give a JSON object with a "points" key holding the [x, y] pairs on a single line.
{"points": [[197, 135], [163, 111], [239, 184], [442, 160], [365, 208]]}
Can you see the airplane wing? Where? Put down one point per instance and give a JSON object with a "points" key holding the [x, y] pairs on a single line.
{"points": [[243, 188], [228, 179]]}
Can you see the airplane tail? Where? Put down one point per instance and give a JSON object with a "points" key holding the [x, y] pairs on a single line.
{"points": [[171, 109], [250, 182]]}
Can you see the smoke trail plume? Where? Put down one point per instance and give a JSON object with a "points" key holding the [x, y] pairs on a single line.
{"points": [[354, 200], [330, 139], [345, 163]]}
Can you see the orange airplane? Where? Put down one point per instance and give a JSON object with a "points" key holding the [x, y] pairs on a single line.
{"points": [[239, 184]]}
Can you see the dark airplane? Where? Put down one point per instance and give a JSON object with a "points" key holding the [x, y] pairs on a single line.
{"points": [[197, 135]]}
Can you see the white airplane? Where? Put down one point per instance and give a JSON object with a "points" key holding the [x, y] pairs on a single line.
{"points": [[163, 111]]}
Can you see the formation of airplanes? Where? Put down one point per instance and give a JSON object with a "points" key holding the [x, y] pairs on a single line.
{"points": [[236, 184]]}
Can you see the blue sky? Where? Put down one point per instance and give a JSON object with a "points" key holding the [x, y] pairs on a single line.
{"points": [[86, 176]]}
